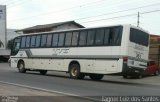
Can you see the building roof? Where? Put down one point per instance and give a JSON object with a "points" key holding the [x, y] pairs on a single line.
{"points": [[155, 36], [50, 26]]}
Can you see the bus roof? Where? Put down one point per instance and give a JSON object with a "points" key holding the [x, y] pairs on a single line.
{"points": [[71, 30], [84, 29]]}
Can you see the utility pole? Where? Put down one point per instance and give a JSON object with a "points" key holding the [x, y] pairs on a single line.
{"points": [[138, 22]]}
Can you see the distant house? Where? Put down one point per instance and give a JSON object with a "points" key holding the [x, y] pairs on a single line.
{"points": [[51, 27]]}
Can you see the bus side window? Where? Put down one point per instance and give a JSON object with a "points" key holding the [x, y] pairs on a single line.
{"points": [[17, 43], [43, 40], [55, 40], [61, 39], [90, 37], [116, 36], [82, 38], [99, 37], [38, 39], [28, 41], [106, 36], [49, 40], [33, 41], [75, 38], [68, 38], [23, 42]]}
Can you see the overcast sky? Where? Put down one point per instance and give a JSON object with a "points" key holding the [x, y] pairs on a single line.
{"points": [[26, 13]]}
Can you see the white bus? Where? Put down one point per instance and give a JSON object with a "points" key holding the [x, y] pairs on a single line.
{"points": [[80, 52]]}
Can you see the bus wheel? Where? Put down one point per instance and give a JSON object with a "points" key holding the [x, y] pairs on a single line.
{"points": [[125, 76], [140, 76], [96, 76], [43, 72], [21, 67], [156, 73], [74, 71]]}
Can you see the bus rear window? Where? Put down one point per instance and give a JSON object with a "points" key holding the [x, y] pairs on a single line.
{"points": [[139, 37]]}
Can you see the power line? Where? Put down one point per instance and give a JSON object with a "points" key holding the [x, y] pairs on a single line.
{"points": [[119, 11], [85, 4], [110, 18], [107, 8], [115, 12], [17, 3], [4, 1], [121, 16], [62, 10], [138, 20], [20, 3], [150, 11], [155, 4], [99, 6], [9, 2]]}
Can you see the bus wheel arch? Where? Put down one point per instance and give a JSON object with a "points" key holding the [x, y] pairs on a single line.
{"points": [[21, 66], [74, 70], [96, 76], [43, 72]]}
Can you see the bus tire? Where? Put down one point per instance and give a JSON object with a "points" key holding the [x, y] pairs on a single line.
{"points": [[156, 73], [74, 72], [96, 76], [125, 76], [140, 76], [21, 67], [43, 72]]}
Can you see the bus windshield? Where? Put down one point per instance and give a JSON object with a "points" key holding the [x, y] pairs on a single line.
{"points": [[136, 36], [16, 46]]}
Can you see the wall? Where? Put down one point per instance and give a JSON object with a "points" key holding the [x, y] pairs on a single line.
{"points": [[154, 49], [3, 26]]}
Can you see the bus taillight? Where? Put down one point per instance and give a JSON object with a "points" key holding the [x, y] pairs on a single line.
{"points": [[125, 59]]}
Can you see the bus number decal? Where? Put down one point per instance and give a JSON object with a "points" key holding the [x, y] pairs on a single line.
{"points": [[60, 51], [138, 55]]}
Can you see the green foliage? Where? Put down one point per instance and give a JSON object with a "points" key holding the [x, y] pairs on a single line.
{"points": [[1, 44], [10, 44]]}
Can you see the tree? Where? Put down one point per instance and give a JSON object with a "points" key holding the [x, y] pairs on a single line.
{"points": [[10, 44], [1, 44]]}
